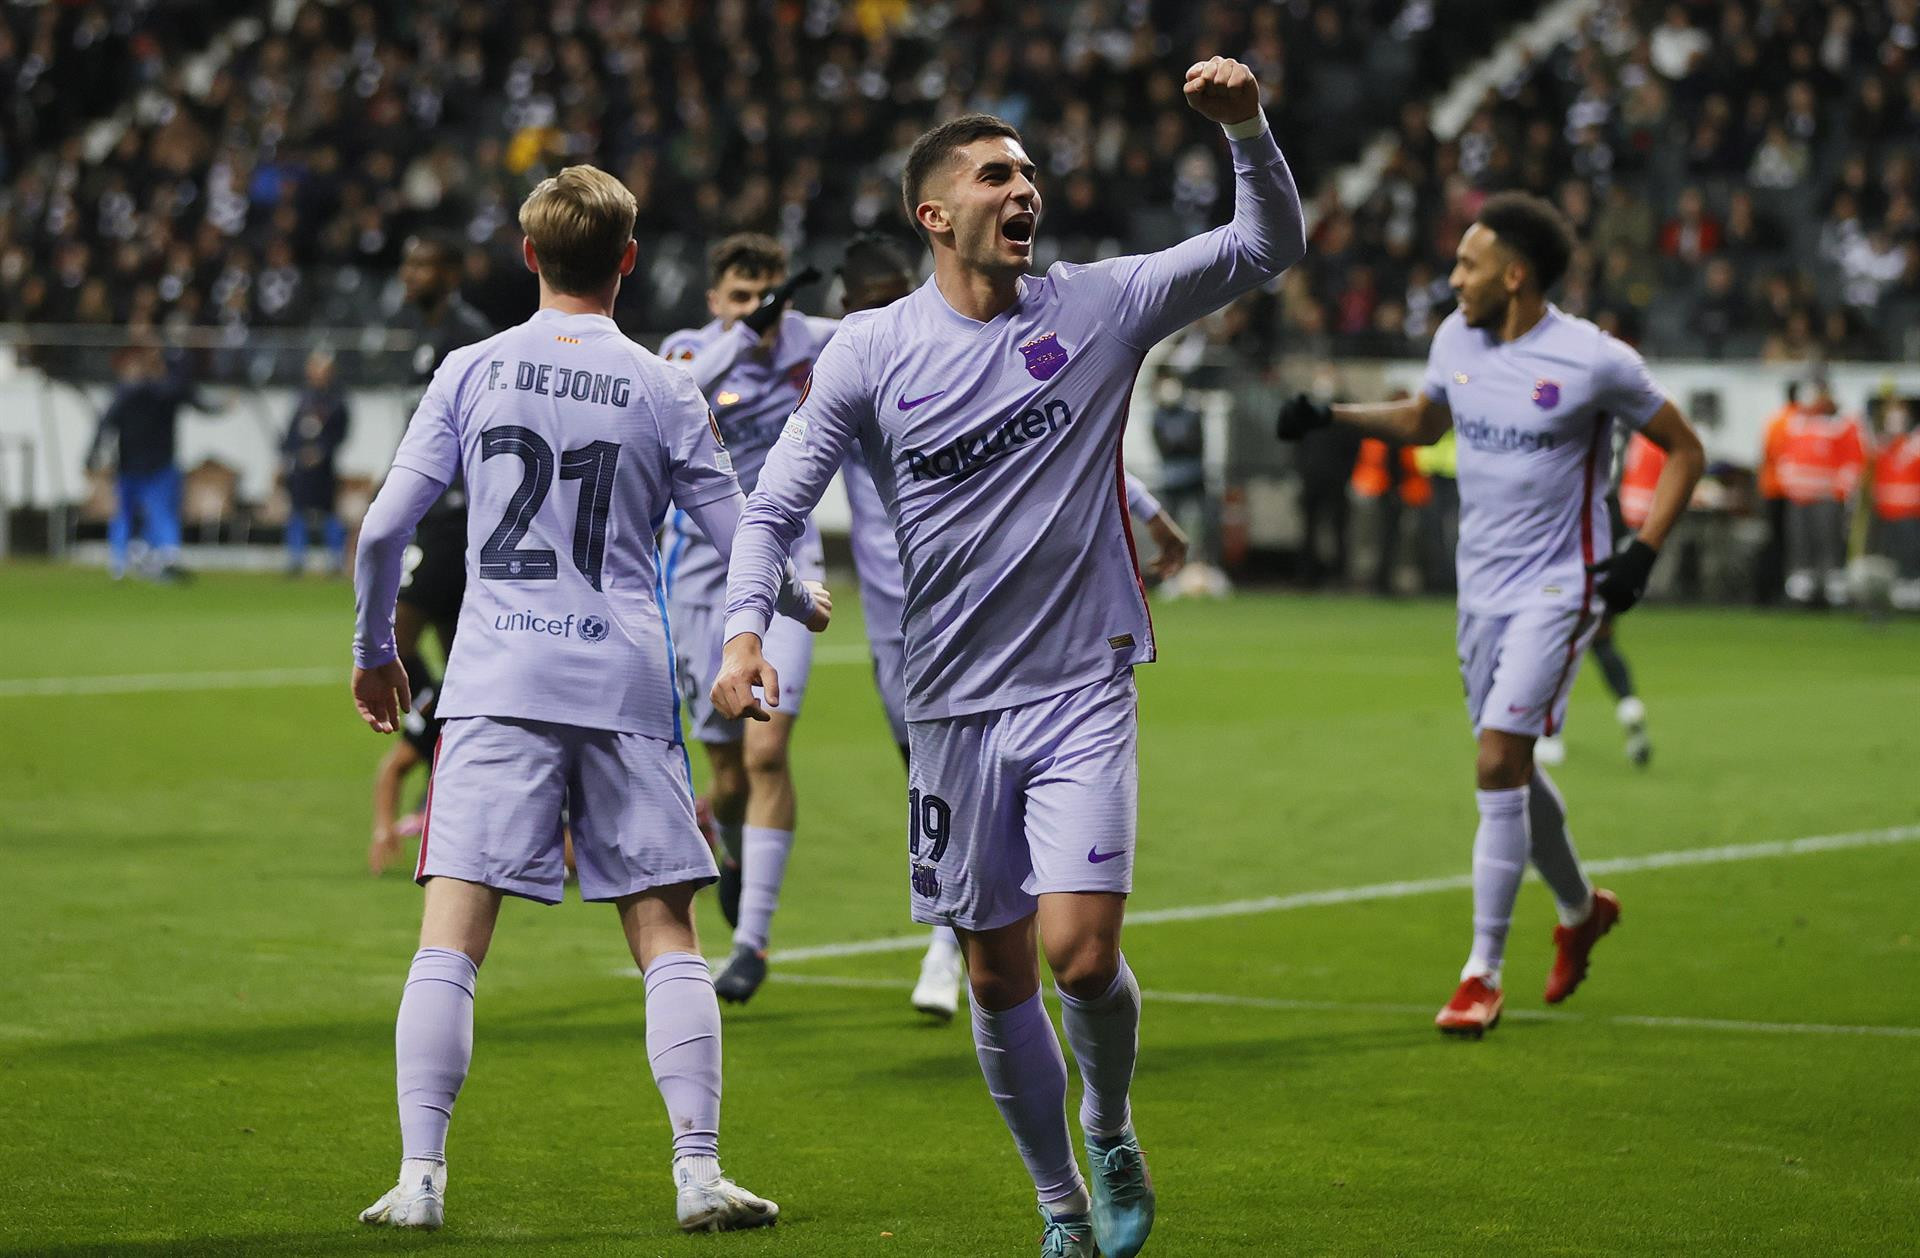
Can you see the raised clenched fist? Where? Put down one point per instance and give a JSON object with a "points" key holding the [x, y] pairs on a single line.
{"points": [[1223, 90]]}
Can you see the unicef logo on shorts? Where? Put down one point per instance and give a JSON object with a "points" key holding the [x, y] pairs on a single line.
{"points": [[593, 629]]}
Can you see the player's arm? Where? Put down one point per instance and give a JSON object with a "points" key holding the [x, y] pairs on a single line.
{"points": [[423, 466], [1686, 463], [703, 485], [710, 362], [1160, 293], [1420, 420], [1168, 536], [1623, 388], [798, 469]]}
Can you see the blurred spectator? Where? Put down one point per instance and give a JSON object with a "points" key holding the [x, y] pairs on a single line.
{"points": [[314, 437], [1179, 435], [140, 425], [1771, 571], [1821, 457], [1896, 501]]}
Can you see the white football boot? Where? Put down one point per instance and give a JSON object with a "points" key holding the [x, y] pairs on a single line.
{"points": [[938, 991], [708, 1201], [418, 1200]]}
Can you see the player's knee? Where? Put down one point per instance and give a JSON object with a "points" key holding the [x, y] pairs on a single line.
{"points": [[995, 992], [1504, 766], [1086, 971], [766, 760]]}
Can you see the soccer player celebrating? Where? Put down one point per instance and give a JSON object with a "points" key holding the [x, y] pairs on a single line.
{"points": [[559, 691], [989, 407], [874, 274], [751, 362], [1532, 394]]}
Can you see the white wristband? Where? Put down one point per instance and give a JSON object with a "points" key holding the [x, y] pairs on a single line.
{"points": [[1253, 126]]}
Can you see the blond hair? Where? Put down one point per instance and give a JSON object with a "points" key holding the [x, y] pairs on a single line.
{"points": [[579, 221]]}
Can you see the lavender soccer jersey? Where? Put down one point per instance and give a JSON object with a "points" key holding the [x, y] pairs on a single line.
{"points": [[1534, 420], [751, 395], [996, 447], [573, 440]]}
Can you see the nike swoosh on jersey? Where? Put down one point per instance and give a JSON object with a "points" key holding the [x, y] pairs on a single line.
{"points": [[1095, 856], [905, 405]]}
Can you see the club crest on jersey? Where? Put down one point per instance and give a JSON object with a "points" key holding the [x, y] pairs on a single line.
{"points": [[1546, 394], [593, 629], [1045, 356]]}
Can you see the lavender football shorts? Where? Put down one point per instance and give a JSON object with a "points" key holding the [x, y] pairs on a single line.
{"points": [[699, 640], [1009, 805], [494, 810], [1519, 668]]}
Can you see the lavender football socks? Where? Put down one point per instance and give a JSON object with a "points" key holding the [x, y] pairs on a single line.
{"points": [[432, 1047], [683, 1047]]}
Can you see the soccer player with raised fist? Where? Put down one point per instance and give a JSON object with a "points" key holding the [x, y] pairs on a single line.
{"points": [[988, 405]]}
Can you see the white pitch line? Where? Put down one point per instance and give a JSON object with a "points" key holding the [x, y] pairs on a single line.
{"points": [[144, 683], [1726, 1025], [1421, 886]]}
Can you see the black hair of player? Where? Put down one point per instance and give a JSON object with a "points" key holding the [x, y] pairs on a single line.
{"points": [[753, 254], [934, 149], [1534, 229], [442, 246], [871, 257]]}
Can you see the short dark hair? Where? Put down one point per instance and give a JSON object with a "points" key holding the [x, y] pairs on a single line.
{"points": [[750, 253], [1534, 229], [933, 149], [871, 257], [444, 246]]}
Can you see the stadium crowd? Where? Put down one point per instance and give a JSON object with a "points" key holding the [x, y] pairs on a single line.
{"points": [[1743, 172], [275, 188]]}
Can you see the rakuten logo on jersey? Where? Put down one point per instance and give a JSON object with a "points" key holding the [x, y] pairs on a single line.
{"points": [[587, 628], [1502, 439], [966, 455]]}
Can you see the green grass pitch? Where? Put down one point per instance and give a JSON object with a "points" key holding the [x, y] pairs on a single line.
{"points": [[198, 977]]}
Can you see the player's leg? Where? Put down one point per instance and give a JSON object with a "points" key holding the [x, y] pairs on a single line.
{"points": [[163, 520], [433, 1046], [1628, 710], [1500, 840], [637, 845], [1081, 809], [727, 797], [126, 497], [296, 540], [970, 864], [334, 531], [767, 837], [1026, 1075], [766, 844], [1803, 580], [481, 838], [1586, 913]]}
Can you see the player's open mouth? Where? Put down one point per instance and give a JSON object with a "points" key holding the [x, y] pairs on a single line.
{"points": [[1019, 228]]}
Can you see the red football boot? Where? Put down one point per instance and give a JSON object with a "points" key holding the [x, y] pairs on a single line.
{"points": [[1573, 946], [1473, 1011]]}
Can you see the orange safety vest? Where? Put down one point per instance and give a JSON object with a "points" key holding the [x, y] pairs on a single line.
{"points": [[1821, 458], [1770, 451], [1638, 478], [1896, 479], [1370, 478]]}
